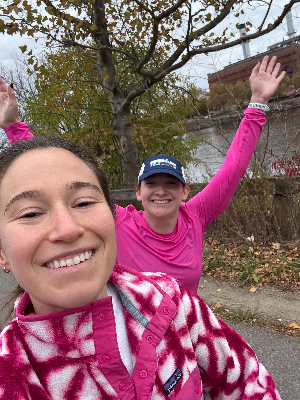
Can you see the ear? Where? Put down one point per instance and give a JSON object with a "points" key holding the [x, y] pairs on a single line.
{"points": [[4, 261], [186, 191], [138, 193]]}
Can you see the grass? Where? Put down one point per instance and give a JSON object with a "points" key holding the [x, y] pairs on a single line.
{"points": [[249, 318]]}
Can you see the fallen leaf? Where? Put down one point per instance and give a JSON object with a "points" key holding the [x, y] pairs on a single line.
{"points": [[258, 270], [205, 280], [253, 289], [201, 286], [218, 305], [276, 246], [218, 290], [293, 325]]}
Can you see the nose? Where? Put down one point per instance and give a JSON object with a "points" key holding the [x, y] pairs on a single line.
{"points": [[64, 227], [160, 189]]}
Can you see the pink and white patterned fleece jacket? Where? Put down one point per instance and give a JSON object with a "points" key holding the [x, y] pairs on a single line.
{"points": [[179, 254], [180, 350]]}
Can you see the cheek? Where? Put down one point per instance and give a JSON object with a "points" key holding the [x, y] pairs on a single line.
{"points": [[18, 245], [104, 226]]}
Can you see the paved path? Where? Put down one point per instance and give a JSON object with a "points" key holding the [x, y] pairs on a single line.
{"points": [[280, 354], [267, 302]]}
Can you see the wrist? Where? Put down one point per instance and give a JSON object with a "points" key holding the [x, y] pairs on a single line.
{"points": [[258, 99], [9, 123]]}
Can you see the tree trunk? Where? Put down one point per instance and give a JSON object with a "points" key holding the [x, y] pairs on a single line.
{"points": [[123, 129], [122, 124]]}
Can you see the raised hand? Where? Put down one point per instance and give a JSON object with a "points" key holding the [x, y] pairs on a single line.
{"points": [[264, 80], [8, 105]]}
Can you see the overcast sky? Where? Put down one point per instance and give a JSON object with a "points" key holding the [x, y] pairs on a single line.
{"points": [[201, 65]]}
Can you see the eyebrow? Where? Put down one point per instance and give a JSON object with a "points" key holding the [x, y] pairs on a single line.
{"points": [[29, 194], [79, 185]]}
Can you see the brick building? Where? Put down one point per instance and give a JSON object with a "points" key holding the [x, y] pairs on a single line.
{"points": [[287, 52]]}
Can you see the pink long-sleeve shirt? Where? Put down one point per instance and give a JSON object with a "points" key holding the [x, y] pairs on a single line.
{"points": [[179, 253]]}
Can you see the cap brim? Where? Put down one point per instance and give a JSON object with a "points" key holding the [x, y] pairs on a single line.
{"points": [[161, 171]]}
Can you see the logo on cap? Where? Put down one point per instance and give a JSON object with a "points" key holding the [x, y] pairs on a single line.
{"points": [[162, 161]]}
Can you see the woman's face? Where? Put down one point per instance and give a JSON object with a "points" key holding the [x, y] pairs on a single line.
{"points": [[56, 230]]}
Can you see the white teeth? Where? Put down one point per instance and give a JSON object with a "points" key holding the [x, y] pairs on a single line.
{"points": [[70, 261], [76, 260], [161, 201]]}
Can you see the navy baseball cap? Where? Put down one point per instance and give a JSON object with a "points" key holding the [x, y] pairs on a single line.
{"points": [[162, 164]]}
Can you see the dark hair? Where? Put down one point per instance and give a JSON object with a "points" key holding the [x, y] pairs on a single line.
{"points": [[10, 154]]}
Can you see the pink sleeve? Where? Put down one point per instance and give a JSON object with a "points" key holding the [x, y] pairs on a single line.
{"points": [[216, 196], [17, 132]]}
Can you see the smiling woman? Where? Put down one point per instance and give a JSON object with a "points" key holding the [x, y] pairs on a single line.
{"points": [[88, 328]]}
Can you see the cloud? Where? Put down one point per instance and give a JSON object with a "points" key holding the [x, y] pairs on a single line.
{"points": [[9, 46]]}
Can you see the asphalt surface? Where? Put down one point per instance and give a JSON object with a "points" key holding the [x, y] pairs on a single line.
{"points": [[280, 354], [7, 285]]}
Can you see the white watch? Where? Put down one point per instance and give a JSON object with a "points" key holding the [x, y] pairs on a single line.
{"points": [[259, 106]]}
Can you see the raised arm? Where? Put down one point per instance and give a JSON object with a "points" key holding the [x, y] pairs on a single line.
{"points": [[214, 199], [9, 120]]}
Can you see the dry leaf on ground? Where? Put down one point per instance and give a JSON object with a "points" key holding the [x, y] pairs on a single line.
{"points": [[294, 325], [276, 246], [253, 289]]}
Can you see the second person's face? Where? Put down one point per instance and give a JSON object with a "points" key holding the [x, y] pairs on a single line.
{"points": [[56, 230], [161, 195]]}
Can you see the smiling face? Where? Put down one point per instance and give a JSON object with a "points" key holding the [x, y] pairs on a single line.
{"points": [[56, 230], [161, 196]]}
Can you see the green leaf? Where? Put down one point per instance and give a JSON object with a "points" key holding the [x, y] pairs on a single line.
{"points": [[23, 48], [255, 278]]}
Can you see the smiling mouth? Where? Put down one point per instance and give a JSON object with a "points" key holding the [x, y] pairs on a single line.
{"points": [[69, 261], [161, 201]]}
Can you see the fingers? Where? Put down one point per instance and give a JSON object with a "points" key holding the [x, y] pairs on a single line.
{"points": [[271, 65], [257, 67], [281, 76], [3, 86], [264, 64], [11, 92]]}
